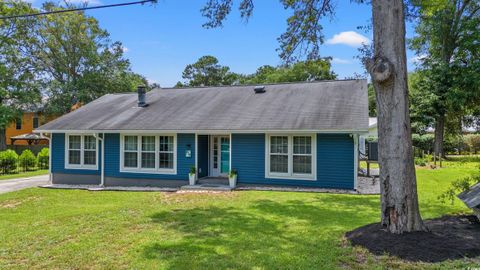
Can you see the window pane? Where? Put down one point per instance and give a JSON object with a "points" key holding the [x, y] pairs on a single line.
{"points": [[148, 143], [74, 157], [35, 122], [130, 160], [166, 143], [148, 160], [279, 163], [74, 142], [302, 164], [165, 161], [279, 144], [90, 142], [89, 158], [302, 145], [131, 143]]}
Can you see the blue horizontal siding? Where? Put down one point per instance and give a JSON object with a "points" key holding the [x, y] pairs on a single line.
{"points": [[112, 159], [58, 157], [335, 161]]}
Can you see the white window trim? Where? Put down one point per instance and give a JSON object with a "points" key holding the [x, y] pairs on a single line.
{"points": [[155, 170], [80, 166], [290, 174]]}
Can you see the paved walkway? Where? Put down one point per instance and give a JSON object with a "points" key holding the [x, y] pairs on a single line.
{"points": [[21, 183]]}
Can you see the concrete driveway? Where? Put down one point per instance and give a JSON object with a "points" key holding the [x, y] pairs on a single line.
{"points": [[21, 183]]}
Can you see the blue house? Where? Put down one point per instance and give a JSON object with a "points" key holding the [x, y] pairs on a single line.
{"points": [[296, 134]]}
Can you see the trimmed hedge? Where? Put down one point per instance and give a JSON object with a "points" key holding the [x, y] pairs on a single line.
{"points": [[8, 161]]}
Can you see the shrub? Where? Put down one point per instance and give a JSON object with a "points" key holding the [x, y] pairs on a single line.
{"points": [[27, 160], [8, 161], [420, 162], [473, 142], [424, 142], [43, 157]]}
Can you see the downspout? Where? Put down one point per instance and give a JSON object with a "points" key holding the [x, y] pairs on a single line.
{"points": [[355, 154], [102, 158], [49, 157]]}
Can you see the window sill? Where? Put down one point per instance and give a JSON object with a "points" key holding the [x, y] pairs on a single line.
{"points": [[81, 167], [146, 171], [302, 177]]}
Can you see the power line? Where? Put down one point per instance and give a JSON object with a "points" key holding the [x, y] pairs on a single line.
{"points": [[75, 9]]}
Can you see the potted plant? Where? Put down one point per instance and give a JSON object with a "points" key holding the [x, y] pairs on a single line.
{"points": [[232, 178], [192, 175]]}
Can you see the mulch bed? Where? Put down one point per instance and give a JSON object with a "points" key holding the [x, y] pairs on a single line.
{"points": [[450, 237]]}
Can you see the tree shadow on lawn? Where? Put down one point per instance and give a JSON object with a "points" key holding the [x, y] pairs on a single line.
{"points": [[266, 234]]}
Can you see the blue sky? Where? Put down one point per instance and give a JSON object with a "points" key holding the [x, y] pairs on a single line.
{"points": [[161, 40]]}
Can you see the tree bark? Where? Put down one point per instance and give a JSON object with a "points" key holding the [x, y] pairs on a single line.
{"points": [[400, 212], [3, 140], [439, 135]]}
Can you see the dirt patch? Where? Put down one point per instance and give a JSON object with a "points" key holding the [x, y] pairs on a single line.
{"points": [[449, 237]]}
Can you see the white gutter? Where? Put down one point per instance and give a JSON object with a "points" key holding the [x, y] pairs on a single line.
{"points": [[209, 132], [102, 157]]}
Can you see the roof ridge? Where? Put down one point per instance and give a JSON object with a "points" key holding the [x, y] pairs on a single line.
{"points": [[262, 84]]}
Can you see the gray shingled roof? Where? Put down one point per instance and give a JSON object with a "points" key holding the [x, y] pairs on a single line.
{"points": [[322, 106]]}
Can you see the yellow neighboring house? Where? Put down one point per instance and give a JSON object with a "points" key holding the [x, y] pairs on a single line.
{"points": [[24, 126]]}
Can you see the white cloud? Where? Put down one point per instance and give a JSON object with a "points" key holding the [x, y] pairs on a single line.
{"points": [[417, 59], [349, 38], [340, 61]]}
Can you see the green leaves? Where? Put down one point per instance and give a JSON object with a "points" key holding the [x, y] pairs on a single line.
{"points": [[207, 72], [302, 71]]}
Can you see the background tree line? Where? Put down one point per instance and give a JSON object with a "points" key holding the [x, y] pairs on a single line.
{"points": [[207, 71], [56, 60]]}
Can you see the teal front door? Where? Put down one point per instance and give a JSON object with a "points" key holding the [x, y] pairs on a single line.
{"points": [[220, 155]]}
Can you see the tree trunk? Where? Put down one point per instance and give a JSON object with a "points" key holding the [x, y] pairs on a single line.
{"points": [[3, 140], [400, 212], [439, 134]]}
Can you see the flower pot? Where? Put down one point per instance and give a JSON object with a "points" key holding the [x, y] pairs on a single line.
{"points": [[232, 180], [192, 179]]}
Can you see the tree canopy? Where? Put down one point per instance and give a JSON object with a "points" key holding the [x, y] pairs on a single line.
{"points": [[18, 89], [448, 84], [207, 71], [53, 59]]}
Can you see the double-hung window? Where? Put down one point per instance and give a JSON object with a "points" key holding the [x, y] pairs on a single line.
{"points": [[81, 152], [291, 157], [148, 153]]}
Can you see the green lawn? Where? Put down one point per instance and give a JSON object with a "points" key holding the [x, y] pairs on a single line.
{"points": [[22, 174], [65, 229]]}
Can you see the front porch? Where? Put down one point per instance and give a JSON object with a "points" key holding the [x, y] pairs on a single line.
{"points": [[210, 183]]}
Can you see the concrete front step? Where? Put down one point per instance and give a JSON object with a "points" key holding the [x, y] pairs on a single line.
{"points": [[212, 187]]}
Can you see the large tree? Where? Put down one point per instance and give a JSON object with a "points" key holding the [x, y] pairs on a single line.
{"points": [[17, 85], [76, 60], [448, 39], [206, 71], [388, 69]]}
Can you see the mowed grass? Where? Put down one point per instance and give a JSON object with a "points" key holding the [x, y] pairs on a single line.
{"points": [[22, 174], [74, 229]]}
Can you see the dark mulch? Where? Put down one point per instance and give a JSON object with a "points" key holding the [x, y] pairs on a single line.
{"points": [[450, 237]]}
